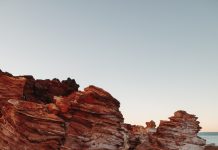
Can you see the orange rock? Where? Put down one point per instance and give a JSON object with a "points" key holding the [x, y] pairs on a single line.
{"points": [[11, 87], [64, 106], [180, 132], [150, 124], [52, 108], [53, 115]]}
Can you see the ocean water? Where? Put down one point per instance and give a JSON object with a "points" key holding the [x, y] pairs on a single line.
{"points": [[211, 137]]}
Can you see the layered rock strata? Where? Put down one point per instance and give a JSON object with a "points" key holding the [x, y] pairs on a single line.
{"points": [[73, 119], [11, 87], [28, 126], [136, 135], [93, 120], [54, 115], [179, 133]]}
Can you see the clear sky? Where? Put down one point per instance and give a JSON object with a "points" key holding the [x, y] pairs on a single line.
{"points": [[154, 56]]}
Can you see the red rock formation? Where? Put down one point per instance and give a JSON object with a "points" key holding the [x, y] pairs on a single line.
{"points": [[44, 90], [11, 87], [150, 126], [136, 135], [93, 120], [82, 120], [53, 115], [28, 125], [139, 134], [178, 133], [40, 91]]}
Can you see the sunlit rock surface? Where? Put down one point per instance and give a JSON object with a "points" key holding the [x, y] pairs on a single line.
{"points": [[28, 125], [180, 132], [11, 87], [93, 120], [54, 115]]}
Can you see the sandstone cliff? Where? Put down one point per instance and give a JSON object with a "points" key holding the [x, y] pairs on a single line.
{"points": [[55, 115]]}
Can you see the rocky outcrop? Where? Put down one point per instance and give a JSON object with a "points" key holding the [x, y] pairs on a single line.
{"points": [[28, 126], [44, 114], [54, 115], [93, 120], [44, 90], [11, 87], [179, 133], [139, 134], [40, 91], [136, 135], [150, 126]]}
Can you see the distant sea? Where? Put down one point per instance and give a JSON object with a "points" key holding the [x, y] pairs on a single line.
{"points": [[211, 137]]}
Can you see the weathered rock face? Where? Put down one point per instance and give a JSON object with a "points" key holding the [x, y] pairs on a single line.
{"points": [[178, 133], [27, 125], [54, 115], [11, 87], [72, 120], [40, 91], [93, 120], [150, 126], [45, 90], [136, 135], [139, 134]]}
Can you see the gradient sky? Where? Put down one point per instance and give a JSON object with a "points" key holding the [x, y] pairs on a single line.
{"points": [[154, 56]]}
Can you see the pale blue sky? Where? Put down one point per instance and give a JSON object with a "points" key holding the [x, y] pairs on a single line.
{"points": [[154, 56]]}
